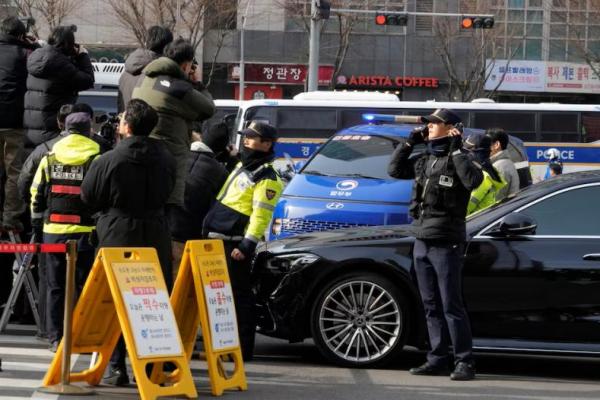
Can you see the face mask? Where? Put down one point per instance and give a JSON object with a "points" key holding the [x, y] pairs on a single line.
{"points": [[439, 147], [250, 156]]}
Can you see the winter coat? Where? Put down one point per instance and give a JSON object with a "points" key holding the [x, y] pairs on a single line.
{"points": [[13, 78], [178, 102], [205, 178], [31, 164], [129, 187], [54, 80], [134, 64], [441, 191], [507, 170]]}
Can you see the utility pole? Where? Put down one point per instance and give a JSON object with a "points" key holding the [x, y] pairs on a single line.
{"points": [[242, 60], [313, 55]]}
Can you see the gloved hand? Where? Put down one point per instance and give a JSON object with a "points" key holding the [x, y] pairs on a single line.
{"points": [[418, 135], [456, 143], [247, 247]]}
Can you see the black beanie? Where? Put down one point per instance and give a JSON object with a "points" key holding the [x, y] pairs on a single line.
{"points": [[217, 137]]}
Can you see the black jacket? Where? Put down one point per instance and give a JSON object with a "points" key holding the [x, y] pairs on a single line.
{"points": [[206, 177], [129, 187], [54, 80], [441, 190], [134, 64], [31, 164], [13, 77]]}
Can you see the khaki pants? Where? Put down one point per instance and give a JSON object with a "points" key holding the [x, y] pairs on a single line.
{"points": [[11, 159]]}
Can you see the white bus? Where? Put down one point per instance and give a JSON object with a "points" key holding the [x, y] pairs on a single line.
{"points": [[304, 124]]}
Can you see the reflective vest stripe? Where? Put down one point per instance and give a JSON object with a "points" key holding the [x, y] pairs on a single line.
{"points": [[264, 205], [64, 218], [66, 189]]}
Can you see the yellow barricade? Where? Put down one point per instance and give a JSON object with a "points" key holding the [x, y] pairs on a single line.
{"points": [[202, 297], [126, 292]]}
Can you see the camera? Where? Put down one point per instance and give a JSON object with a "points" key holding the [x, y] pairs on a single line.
{"points": [[108, 128]]}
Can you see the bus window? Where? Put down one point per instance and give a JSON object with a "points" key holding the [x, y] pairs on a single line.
{"points": [[559, 127], [519, 124], [590, 127], [306, 122]]}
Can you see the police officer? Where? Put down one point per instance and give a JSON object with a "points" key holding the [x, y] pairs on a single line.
{"points": [[444, 177], [486, 194], [240, 217], [55, 197]]}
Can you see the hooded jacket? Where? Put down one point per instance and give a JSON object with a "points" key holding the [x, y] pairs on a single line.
{"points": [[54, 80], [134, 65], [73, 150], [129, 187], [507, 170], [205, 178], [178, 103], [13, 77]]}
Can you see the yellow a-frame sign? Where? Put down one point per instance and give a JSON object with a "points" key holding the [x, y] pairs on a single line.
{"points": [[126, 292], [202, 297]]}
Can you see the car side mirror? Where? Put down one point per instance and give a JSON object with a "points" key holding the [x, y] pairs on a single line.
{"points": [[515, 224]]}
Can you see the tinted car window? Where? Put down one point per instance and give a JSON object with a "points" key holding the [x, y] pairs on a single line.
{"points": [[569, 213], [354, 155]]}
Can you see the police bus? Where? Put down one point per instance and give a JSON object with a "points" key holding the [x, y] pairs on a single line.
{"points": [[308, 120]]}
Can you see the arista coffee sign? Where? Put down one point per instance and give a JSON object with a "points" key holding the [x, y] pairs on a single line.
{"points": [[383, 81]]}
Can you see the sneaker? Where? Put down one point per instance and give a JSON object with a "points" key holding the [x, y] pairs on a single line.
{"points": [[53, 346], [116, 377], [463, 372], [429, 369]]}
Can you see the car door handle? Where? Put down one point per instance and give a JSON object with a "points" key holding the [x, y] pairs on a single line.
{"points": [[592, 257]]}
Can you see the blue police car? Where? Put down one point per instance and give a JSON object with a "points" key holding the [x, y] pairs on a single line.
{"points": [[345, 183]]}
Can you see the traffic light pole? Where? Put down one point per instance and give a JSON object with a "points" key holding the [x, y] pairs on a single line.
{"points": [[313, 55]]}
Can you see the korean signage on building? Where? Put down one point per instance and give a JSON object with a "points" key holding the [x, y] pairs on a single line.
{"points": [[281, 74], [541, 76], [386, 81]]}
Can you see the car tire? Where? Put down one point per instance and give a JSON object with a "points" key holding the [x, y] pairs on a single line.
{"points": [[368, 331]]}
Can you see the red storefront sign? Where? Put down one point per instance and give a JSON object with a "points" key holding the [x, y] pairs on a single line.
{"points": [[278, 74], [385, 81]]}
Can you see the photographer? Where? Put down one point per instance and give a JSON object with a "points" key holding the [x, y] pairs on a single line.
{"points": [[444, 177], [15, 46], [57, 72]]}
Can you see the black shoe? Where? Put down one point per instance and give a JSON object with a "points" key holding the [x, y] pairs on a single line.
{"points": [[428, 369], [463, 372], [54, 346], [116, 377]]}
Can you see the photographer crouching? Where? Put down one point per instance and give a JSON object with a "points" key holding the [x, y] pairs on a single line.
{"points": [[444, 177]]}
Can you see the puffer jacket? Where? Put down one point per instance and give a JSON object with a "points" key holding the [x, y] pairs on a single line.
{"points": [[134, 64], [507, 170], [54, 79], [178, 103], [13, 77]]}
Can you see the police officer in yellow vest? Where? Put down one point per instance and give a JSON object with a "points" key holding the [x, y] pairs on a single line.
{"points": [[241, 215], [56, 202], [484, 195]]}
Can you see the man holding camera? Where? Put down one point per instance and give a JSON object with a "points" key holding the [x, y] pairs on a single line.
{"points": [[57, 72], [444, 175]]}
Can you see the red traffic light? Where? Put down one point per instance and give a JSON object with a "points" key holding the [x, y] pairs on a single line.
{"points": [[467, 23], [477, 23], [380, 19]]}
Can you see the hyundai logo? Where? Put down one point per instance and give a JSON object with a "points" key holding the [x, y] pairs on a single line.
{"points": [[347, 185], [334, 206]]}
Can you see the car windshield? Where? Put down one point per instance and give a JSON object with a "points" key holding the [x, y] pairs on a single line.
{"points": [[360, 156]]}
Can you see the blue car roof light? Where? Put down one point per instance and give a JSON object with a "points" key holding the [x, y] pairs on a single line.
{"points": [[379, 118]]}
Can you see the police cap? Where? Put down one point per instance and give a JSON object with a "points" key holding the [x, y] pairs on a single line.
{"points": [[261, 129], [442, 115], [478, 141]]}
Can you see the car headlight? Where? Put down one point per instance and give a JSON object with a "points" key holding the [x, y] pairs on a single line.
{"points": [[277, 225], [287, 262]]}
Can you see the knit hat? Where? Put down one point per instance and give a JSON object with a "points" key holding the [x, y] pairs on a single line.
{"points": [[79, 122], [217, 137]]}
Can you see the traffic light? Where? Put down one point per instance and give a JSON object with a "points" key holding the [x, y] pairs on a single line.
{"points": [[323, 8], [477, 23], [391, 19]]}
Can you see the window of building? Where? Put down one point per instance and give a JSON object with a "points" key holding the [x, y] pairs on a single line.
{"points": [[533, 49], [534, 3], [424, 23], [558, 50], [516, 3], [534, 30]]}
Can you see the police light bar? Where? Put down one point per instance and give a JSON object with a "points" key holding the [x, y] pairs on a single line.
{"points": [[407, 119]]}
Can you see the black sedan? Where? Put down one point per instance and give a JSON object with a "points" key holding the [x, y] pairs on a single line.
{"points": [[531, 280]]}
